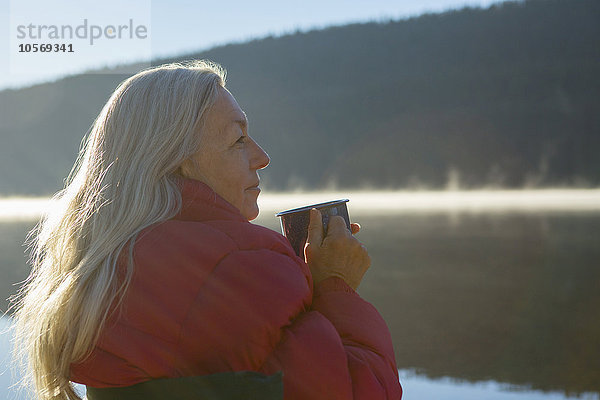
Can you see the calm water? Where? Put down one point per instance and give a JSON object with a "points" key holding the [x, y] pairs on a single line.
{"points": [[485, 298]]}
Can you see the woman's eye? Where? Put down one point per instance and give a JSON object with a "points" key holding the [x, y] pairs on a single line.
{"points": [[242, 139]]}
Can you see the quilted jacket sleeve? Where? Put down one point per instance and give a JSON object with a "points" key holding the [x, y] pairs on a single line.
{"points": [[341, 349], [365, 337], [256, 312]]}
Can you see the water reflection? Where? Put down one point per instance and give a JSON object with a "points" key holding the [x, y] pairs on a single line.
{"points": [[10, 379], [418, 387], [7, 379]]}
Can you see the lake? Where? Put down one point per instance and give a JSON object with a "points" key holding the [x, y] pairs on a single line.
{"points": [[488, 295]]}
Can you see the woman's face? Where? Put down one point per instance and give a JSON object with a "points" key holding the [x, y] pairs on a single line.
{"points": [[228, 160]]}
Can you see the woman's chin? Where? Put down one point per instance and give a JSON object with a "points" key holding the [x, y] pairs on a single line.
{"points": [[250, 212]]}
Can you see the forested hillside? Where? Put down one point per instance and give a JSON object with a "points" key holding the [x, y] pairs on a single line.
{"points": [[506, 96]]}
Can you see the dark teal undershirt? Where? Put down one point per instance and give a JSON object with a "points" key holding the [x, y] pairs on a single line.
{"points": [[246, 385]]}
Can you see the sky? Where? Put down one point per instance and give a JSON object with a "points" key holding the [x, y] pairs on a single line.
{"points": [[76, 36]]}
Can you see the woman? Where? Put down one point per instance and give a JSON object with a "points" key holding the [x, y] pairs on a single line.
{"points": [[149, 269]]}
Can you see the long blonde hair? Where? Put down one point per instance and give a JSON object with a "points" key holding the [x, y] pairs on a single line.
{"points": [[124, 180]]}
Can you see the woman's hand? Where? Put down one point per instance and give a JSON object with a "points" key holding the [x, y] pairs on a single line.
{"points": [[337, 254]]}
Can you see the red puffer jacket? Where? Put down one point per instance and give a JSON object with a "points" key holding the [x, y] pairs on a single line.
{"points": [[212, 292]]}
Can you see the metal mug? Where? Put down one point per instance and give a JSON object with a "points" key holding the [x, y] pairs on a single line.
{"points": [[294, 222]]}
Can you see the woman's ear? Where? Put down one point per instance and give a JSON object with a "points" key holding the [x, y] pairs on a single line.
{"points": [[190, 169], [178, 171], [185, 169]]}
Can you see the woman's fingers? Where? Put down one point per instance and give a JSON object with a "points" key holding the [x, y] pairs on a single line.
{"points": [[315, 228], [339, 254]]}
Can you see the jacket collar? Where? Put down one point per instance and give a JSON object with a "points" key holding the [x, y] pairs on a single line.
{"points": [[201, 203]]}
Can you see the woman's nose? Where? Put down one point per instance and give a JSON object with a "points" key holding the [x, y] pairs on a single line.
{"points": [[261, 158]]}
